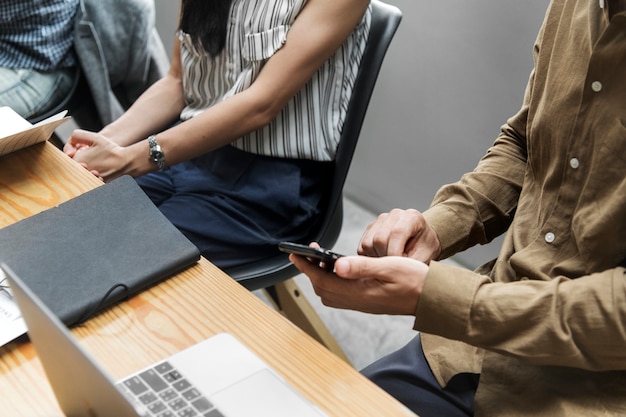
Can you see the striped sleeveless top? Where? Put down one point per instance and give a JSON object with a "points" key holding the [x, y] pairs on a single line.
{"points": [[309, 126]]}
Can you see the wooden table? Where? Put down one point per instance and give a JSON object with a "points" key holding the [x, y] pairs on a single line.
{"points": [[169, 317]]}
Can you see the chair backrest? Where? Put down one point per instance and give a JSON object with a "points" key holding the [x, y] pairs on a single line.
{"points": [[79, 104], [265, 273], [63, 104]]}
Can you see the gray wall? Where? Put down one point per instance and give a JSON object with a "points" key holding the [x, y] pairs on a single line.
{"points": [[166, 20], [453, 74]]}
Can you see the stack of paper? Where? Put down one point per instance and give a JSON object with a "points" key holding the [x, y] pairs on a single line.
{"points": [[17, 133]]}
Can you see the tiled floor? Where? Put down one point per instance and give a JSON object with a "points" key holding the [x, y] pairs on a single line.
{"points": [[363, 337]]}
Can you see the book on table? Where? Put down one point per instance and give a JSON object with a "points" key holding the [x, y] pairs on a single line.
{"points": [[91, 252]]}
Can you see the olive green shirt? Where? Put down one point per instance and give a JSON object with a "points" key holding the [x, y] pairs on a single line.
{"points": [[545, 325]]}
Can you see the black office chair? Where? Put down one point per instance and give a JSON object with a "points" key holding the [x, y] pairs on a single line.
{"points": [[273, 274], [78, 103]]}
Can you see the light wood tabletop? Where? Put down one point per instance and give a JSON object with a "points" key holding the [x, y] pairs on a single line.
{"points": [[181, 311]]}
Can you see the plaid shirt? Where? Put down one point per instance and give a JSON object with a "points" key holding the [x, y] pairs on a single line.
{"points": [[37, 34]]}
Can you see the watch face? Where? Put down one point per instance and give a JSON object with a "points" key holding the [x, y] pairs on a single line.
{"points": [[156, 153]]}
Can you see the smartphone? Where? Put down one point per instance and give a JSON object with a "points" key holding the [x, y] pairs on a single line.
{"points": [[323, 255]]}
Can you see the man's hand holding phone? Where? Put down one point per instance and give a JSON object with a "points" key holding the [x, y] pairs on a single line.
{"points": [[379, 285], [320, 256]]}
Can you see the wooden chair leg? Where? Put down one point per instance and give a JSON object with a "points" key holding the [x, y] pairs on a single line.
{"points": [[289, 300]]}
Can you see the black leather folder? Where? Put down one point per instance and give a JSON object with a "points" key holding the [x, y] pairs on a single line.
{"points": [[95, 249]]}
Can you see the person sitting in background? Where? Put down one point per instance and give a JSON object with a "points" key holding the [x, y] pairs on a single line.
{"points": [[37, 61], [541, 330], [234, 143]]}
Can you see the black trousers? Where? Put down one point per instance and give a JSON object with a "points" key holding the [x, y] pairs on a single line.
{"points": [[236, 206], [406, 375]]}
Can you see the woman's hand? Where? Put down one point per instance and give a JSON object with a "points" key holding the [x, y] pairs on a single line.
{"points": [[101, 156]]}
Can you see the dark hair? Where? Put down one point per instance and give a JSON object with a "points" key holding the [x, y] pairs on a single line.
{"points": [[205, 21]]}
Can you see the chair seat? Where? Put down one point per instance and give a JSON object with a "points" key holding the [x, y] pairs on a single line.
{"points": [[273, 274], [264, 273]]}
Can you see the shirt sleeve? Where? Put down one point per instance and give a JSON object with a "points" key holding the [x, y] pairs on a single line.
{"points": [[480, 206], [563, 322]]}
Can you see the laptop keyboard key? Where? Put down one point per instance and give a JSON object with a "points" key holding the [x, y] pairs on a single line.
{"points": [[148, 397], [154, 380], [182, 385], [168, 395], [187, 412], [157, 407], [191, 394], [177, 404], [163, 367], [172, 376], [135, 385], [202, 404]]}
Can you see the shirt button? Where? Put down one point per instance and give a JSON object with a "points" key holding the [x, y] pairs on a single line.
{"points": [[596, 86], [550, 237], [574, 163]]}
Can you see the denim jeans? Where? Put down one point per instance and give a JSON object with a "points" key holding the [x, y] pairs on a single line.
{"points": [[30, 92]]}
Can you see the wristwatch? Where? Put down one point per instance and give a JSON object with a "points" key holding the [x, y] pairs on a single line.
{"points": [[156, 153]]}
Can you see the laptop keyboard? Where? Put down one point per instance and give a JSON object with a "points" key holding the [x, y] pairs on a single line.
{"points": [[163, 392]]}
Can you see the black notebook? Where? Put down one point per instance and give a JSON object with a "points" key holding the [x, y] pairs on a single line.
{"points": [[95, 249]]}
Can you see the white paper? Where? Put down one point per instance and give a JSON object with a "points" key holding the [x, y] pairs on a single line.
{"points": [[17, 133], [58, 116], [11, 323], [11, 122]]}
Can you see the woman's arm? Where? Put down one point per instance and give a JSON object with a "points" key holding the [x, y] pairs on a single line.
{"points": [[318, 31], [156, 109]]}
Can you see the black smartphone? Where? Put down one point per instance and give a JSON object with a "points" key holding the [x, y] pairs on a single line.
{"points": [[323, 255]]}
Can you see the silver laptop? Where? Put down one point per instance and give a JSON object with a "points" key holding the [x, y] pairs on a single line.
{"points": [[219, 377]]}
